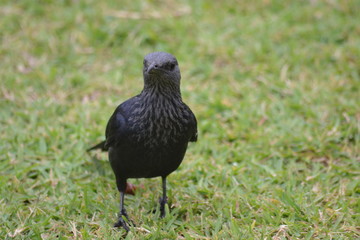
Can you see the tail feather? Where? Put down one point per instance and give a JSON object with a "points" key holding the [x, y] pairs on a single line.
{"points": [[100, 145]]}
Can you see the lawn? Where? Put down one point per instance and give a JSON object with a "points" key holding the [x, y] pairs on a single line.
{"points": [[274, 85]]}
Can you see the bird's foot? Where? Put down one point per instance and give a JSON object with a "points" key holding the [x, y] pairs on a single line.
{"points": [[162, 208], [162, 202], [121, 222]]}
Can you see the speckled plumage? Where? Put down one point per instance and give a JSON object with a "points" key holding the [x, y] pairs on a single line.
{"points": [[147, 135]]}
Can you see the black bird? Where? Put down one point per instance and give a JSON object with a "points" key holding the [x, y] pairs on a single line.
{"points": [[147, 135]]}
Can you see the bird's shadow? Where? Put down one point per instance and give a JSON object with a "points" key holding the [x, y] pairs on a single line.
{"points": [[99, 164]]}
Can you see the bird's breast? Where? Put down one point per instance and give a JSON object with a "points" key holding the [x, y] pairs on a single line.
{"points": [[159, 124]]}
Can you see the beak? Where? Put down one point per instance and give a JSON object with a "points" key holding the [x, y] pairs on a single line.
{"points": [[152, 67]]}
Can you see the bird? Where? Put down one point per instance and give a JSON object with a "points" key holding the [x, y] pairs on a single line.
{"points": [[147, 135]]}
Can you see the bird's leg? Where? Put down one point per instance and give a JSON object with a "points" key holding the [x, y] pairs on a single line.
{"points": [[121, 222], [121, 185], [163, 199]]}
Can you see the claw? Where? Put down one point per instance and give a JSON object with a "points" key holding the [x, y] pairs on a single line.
{"points": [[121, 223]]}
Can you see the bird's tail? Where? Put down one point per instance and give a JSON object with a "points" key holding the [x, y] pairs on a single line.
{"points": [[100, 145]]}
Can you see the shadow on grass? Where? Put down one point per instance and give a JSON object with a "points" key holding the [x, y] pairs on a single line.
{"points": [[99, 164]]}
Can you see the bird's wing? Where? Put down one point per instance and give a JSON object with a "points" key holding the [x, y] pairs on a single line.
{"points": [[193, 124], [115, 128], [194, 135]]}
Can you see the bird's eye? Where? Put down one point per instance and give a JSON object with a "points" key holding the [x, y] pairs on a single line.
{"points": [[144, 62], [172, 66]]}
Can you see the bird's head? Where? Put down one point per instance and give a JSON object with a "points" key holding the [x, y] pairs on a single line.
{"points": [[161, 68]]}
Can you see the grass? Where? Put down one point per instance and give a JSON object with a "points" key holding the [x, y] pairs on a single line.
{"points": [[275, 87]]}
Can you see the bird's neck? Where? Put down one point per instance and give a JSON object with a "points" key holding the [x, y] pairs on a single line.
{"points": [[170, 92]]}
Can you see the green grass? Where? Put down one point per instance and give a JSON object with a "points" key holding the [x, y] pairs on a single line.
{"points": [[275, 87]]}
